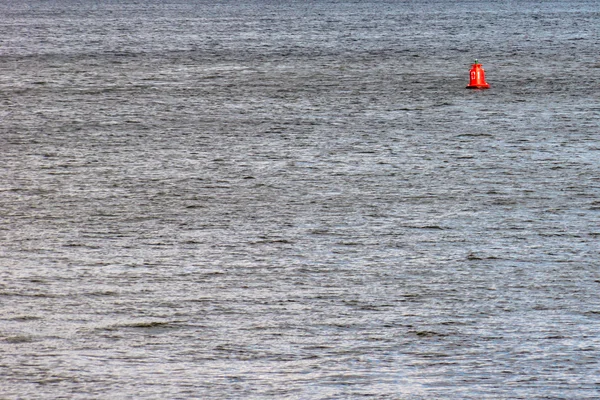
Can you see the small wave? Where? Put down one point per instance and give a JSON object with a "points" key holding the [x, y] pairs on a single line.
{"points": [[19, 339], [139, 325]]}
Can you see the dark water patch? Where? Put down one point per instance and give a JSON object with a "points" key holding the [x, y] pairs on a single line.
{"points": [[427, 334], [25, 318], [19, 339], [151, 326]]}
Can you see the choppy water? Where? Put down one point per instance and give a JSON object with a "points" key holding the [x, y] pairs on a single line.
{"points": [[299, 201]]}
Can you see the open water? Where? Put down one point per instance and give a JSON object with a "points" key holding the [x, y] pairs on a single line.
{"points": [[299, 200]]}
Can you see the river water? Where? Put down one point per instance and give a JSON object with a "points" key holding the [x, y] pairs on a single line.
{"points": [[299, 200]]}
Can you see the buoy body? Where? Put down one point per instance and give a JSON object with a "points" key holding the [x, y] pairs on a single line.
{"points": [[477, 75]]}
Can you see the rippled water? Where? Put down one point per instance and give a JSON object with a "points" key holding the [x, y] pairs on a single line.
{"points": [[279, 200]]}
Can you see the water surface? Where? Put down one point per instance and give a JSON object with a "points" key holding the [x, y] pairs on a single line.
{"points": [[280, 200]]}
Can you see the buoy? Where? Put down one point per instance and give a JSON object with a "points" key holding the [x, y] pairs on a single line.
{"points": [[477, 75]]}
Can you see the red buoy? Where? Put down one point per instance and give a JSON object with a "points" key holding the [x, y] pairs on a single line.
{"points": [[477, 75]]}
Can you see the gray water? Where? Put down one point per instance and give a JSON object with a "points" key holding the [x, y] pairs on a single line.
{"points": [[266, 199]]}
